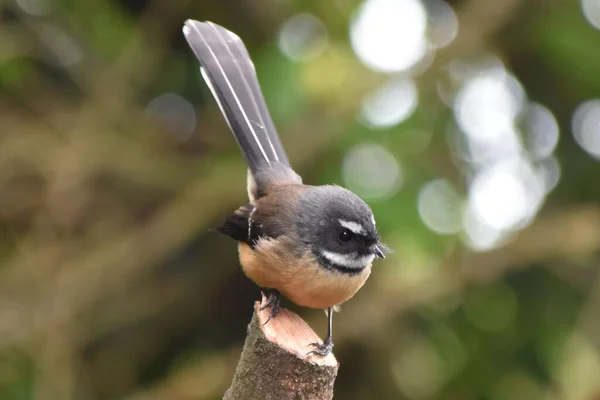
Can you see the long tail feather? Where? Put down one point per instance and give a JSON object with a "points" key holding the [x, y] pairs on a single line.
{"points": [[230, 74]]}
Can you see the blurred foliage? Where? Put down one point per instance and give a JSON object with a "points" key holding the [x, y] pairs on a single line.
{"points": [[112, 284]]}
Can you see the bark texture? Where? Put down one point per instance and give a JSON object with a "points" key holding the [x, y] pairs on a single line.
{"points": [[274, 363]]}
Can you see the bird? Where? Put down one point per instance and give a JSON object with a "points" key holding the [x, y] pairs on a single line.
{"points": [[314, 245]]}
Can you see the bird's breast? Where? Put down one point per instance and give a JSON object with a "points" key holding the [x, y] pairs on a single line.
{"points": [[301, 279]]}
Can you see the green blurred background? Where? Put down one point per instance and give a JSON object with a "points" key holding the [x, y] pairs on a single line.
{"points": [[472, 128]]}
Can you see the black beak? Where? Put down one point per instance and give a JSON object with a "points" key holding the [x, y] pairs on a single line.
{"points": [[377, 251]]}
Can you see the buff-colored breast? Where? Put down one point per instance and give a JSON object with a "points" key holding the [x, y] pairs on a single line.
{"points": [[303, 280]]}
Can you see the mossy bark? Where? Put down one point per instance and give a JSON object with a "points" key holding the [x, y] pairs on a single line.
{"points": [[274, 364]]}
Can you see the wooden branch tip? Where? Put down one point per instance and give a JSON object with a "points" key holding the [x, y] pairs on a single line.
{"points": [[275, 363]]}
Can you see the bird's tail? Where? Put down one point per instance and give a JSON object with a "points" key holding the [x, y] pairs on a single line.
{"points": [[231, 77]]}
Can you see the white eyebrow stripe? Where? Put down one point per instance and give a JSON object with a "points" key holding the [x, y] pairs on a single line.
{"points": [[347, 260], [237, 100], [355, 227]]}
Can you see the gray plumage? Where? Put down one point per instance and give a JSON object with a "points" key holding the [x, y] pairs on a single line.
{"points": [[321, 213]]}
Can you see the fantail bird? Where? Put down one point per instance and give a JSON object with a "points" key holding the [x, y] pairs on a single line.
{"points": [[313, 244]]}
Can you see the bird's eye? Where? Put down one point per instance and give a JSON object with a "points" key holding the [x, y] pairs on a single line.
{"points": [[345, 235]]}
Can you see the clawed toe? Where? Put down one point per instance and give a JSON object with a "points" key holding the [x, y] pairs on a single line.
{"points": [[272, 301], [322, 349]]}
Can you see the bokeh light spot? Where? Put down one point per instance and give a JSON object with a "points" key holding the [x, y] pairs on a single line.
{"points": [[371, 171], [506, 195], [487, 106], [541, 131], [586, 126], [464, 69], [548, 171], [591, 11], [443, 23], [417, 370], [440, 207], [175, 114], [390, 104], [480, 236], [389, 35], [302, 37]]}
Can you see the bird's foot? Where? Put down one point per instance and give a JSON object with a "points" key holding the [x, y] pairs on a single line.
{"points": [[322, 349], [273, 301]]}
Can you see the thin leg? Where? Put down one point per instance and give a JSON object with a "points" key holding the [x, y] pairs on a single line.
{"points": [[325, 348], [273, 301]]}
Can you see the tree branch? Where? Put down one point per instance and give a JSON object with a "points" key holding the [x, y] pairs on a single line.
{"points": [[275, 365]]}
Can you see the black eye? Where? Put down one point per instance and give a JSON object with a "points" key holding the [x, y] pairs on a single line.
{"points": [[345, 235]]}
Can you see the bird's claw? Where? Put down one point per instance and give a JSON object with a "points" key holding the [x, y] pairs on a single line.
{"points": [[273, 302], [323, 349]]}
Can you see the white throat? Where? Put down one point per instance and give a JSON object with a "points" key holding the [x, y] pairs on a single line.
{"points": [[348, 260]]}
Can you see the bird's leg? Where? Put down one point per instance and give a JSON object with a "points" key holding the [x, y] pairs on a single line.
{"points": [[273, 301], [325, 348]]}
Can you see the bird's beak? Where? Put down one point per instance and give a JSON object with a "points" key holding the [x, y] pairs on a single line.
{"points": [[377, 251]]}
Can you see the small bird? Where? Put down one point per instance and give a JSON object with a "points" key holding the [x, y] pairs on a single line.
{"points": [[312, 244]]}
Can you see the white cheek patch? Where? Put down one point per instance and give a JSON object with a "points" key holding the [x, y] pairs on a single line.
{"points": [[347, 260], [355, 227]]}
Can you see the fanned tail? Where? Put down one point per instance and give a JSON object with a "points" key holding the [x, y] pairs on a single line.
{"points": [[230, 74]]}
